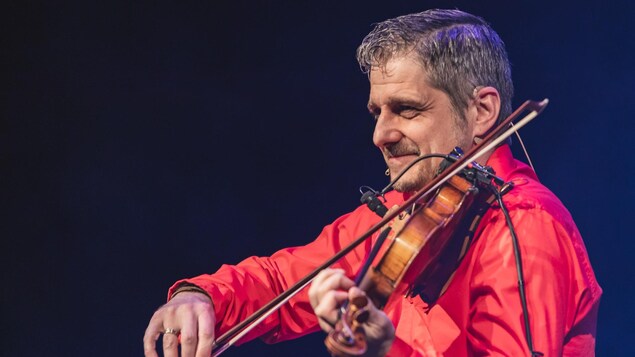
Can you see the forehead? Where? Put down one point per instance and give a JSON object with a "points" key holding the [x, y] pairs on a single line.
{"points": [[397, 68], [400, 78]]}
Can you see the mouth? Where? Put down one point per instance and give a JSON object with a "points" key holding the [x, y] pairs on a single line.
{"points": [[399, 155]]}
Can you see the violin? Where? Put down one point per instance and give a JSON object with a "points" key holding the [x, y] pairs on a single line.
{"points": [[422, 251], [424, 247]]}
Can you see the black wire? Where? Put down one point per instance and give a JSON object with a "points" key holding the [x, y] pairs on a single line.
{"points": [[410, 165], [519, 271]]}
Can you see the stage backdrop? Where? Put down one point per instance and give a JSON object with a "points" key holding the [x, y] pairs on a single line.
{"points": [[143, 142]]}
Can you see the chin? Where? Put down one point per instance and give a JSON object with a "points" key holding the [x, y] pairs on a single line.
{"points": [[408, 186], [412, 183]]}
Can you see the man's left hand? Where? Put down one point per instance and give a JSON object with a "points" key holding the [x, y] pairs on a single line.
{"points": [[329, 290]]}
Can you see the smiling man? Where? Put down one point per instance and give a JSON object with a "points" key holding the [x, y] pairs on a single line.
{"points": [[438, 79], [413, 117]]}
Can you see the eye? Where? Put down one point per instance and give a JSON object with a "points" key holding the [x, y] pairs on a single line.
{"points": [[408, 112], [375, 113]]}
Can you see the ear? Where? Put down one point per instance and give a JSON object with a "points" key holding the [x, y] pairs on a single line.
{"points": [[486, 107]]}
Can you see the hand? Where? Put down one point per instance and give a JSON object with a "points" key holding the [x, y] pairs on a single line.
{"points": [[327, 293], [191, 314]]}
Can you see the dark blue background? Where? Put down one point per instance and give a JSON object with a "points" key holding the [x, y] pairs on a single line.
{"points": [[143, 142]]}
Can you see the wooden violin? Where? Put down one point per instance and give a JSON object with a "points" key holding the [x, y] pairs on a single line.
{"points": [[422, 251]]}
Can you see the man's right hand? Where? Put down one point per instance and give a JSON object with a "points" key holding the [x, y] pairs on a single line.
{"points": [[191, 315]]}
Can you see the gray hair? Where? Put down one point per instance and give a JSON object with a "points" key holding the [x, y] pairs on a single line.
{"points": [[459, 51]]}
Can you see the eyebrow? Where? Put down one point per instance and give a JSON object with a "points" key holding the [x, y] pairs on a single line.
{"points": [[399, 101]]}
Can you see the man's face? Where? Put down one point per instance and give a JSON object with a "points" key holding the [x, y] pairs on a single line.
{"points": [[413, 119]]}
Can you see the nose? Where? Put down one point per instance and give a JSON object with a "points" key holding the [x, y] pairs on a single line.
{"points": [[386, 130]]}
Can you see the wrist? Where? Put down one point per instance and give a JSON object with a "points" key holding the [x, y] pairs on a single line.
{"points": [[188, 288]]}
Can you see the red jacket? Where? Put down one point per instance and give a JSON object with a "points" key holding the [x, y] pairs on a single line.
{"points": [[480, 312]]}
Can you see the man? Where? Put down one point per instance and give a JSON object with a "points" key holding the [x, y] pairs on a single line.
{"points": [[438, 79]]}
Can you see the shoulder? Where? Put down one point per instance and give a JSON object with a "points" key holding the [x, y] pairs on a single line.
{"points": [[529, 196], [539, 218], [545, 229]]}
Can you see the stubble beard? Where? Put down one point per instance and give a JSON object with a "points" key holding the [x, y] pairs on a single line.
{"points": [[414, 180], [424, 171]]}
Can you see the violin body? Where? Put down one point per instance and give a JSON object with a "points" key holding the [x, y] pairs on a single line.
{"points": [[420, 255], [425, 247]]}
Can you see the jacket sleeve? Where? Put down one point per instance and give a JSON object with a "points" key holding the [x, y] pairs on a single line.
{"points": [[239, 290], [561, 290]]}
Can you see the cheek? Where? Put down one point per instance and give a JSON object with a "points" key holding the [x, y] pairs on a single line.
{"points": [[440, 138], [421, 135]]}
